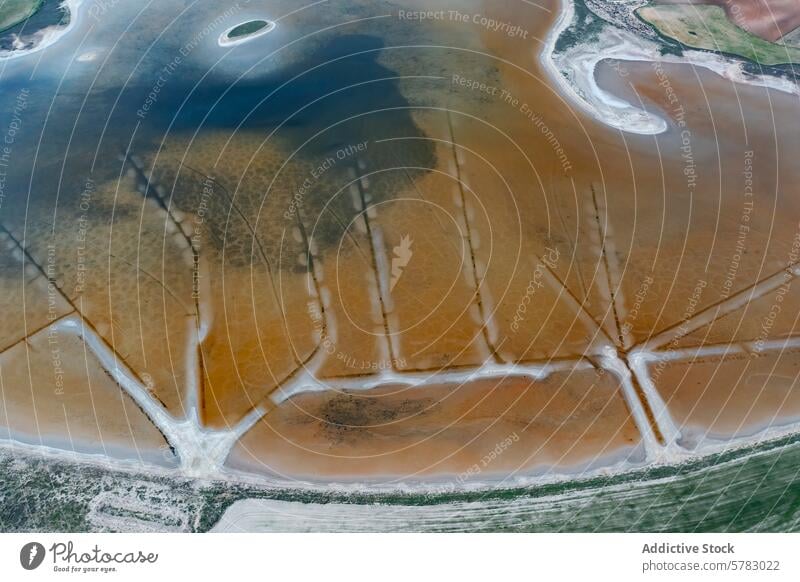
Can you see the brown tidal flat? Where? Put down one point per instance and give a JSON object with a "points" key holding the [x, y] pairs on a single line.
{"points": [[727, 215], [25, 287], [352, 333], [55, 393], [115, 259], [492, 222], [764, 318], [251, 289], [654, 230], [483, 427], [520, 240], [434, 316], [730, 396]]}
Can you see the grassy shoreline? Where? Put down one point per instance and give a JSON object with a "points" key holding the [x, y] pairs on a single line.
{"points": [[13, 12], [750, 489]]}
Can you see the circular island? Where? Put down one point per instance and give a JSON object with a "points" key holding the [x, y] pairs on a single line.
{"points": [[245, 31]]}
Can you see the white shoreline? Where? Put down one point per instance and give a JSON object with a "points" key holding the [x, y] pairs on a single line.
{"points": [[204, 453], [256, 514], [582, 89], [218, 473], [49, 36], [431, 486], [253, 514], [580, 63]]}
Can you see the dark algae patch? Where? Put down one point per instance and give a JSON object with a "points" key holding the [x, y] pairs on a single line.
{"points": [[338, 100], [337, 97], [247, 28]]}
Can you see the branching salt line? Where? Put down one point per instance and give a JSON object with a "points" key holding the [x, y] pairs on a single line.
{"points": [[640, 359], [611, 361], [577, 306], [773, 345], [202, 452], [488, 370], [641, 355], [112, 363], [714, 312], [611, 284], [194, 371], [661, 415], [714, 350]]}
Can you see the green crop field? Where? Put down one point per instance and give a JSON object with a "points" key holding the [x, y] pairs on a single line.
{"points": [[707, 27]]}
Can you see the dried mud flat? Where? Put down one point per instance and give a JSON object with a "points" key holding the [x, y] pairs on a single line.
{"points": [[389, 262]]}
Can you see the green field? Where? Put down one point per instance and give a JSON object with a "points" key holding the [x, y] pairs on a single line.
{"points": [[707, 27], [746, 490], [247, 28], [12, 12]]}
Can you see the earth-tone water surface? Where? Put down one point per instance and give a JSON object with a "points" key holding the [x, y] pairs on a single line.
{"points": [[379, 247]]}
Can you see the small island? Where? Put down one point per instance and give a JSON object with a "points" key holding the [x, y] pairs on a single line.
{"points": [[245, 31]]}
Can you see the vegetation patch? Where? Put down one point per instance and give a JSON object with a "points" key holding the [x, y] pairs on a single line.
{"points": [[245, 31], [247, 28], [707, 27], [13, 12]]}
